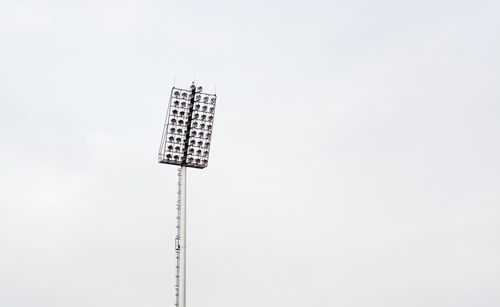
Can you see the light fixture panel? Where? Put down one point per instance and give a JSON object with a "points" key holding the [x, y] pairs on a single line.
{"points": [[188, 128]]}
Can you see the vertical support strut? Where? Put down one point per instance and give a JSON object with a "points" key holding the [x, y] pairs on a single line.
{"points": [[180, 241], [188, 125]]}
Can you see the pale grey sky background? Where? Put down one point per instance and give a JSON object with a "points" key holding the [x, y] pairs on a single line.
{"points": [[354, 160]]}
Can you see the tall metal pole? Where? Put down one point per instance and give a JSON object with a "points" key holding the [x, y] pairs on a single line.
{"points": [[181, 246], [180, 241]]}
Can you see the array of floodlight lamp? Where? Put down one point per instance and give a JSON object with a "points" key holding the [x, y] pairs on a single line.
{"points": [[188, 128]]}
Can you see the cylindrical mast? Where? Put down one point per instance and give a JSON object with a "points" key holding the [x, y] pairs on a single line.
{"points": [[180, 244]]}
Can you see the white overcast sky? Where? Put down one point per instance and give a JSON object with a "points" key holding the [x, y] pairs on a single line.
{"points": [[355, 158]]}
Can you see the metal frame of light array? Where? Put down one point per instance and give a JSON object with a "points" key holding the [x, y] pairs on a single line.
{"points": [[188, 128]]}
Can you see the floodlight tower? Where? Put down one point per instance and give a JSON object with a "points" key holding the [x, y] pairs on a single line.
{"points": [[186, 142]]}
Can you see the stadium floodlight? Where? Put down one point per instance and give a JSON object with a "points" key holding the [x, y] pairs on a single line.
{"points": [[186, 142], [189, 118]]}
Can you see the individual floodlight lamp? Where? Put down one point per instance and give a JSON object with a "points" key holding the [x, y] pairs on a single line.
{"points": [[186, 142]]}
